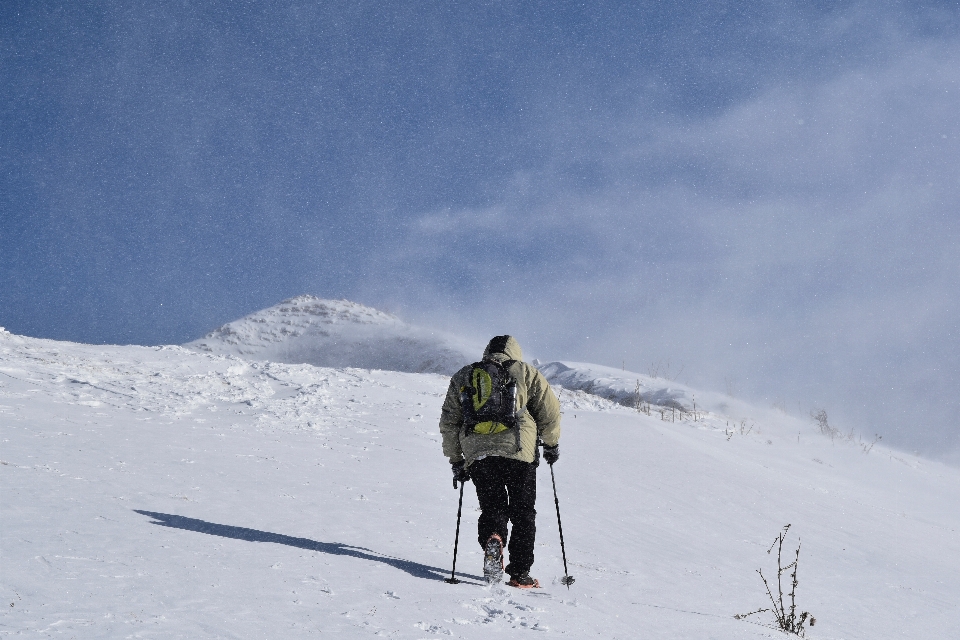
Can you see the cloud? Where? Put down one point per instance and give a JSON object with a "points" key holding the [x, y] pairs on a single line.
{"points": [[805, 241]]}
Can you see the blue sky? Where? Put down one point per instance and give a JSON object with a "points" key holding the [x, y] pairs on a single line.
{"points": [[765, 194]]}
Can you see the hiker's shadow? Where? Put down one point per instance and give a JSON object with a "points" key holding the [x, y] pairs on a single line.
{"points": [[415, 569]]}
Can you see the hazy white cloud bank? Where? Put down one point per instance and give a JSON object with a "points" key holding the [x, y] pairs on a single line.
{"points": [[802, 246]]}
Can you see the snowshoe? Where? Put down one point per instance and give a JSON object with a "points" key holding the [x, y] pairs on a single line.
{"points": [[524, 581], [493, 560]]}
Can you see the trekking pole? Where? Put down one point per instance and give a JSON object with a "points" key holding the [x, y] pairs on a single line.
{"points": [[456, 542], [567, 578]]}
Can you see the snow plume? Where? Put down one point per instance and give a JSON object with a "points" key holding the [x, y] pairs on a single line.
{"points": [[337, 333]]}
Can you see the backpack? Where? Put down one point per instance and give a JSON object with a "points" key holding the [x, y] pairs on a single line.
{"points": [[489, 401]]}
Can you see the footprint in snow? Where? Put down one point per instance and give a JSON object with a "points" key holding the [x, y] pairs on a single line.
{"points": [[502, 608], [525, 607]]}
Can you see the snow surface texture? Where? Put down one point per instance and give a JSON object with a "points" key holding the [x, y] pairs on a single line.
{"points": [[337, 333], [168, 493]]}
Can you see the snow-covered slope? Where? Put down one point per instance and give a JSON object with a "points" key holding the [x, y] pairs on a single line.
{"points": [[337, 333], [163, 492]]}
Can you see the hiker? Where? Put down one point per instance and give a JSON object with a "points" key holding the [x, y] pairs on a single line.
{"points": [[495, 414]]}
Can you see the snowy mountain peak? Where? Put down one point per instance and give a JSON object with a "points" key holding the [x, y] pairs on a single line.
{"points": [[292, 318], [331, 311], [337, 333]]}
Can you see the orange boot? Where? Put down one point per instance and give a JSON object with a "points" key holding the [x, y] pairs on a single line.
{"points": [[524, 581]]}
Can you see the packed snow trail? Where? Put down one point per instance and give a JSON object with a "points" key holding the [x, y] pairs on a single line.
{"points": [[160, 492]]}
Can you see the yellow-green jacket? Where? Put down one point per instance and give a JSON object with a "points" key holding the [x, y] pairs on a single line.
{"points": [[542, 415]]}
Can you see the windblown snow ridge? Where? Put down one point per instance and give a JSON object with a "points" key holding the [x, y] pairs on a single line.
{"points": [[336, 333], [627, 388]]}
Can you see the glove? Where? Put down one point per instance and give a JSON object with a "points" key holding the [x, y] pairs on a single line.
{"points": [[460, 473], [551, 454]]}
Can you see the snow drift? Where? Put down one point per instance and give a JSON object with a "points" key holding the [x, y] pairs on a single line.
{"points": [[337, 333]]}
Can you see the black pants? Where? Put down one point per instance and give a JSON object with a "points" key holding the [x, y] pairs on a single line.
{"points": [[507, 490]]}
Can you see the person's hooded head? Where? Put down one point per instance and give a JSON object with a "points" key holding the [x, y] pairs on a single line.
{"points": [[503, 348]]}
